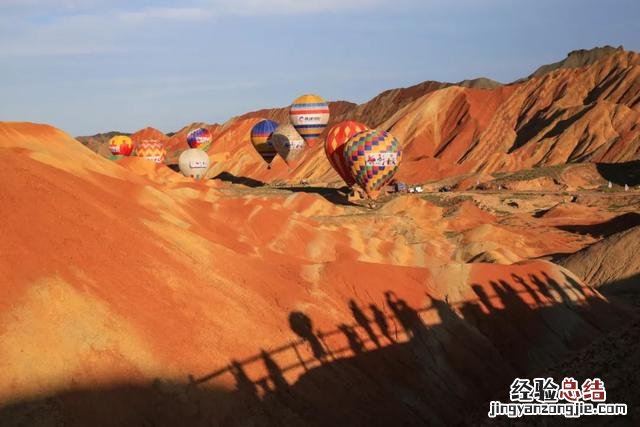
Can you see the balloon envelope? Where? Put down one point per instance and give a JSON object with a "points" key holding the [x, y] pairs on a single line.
{"points": [[193, 163], [261, 139], [373, 157], [288, 143], [334, 147], [199, 138], [121, 145], [309, 114], [151, 149]]}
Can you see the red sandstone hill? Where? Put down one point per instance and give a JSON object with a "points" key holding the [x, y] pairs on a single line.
{"points": [[584, 109], [150, 134], [132, 278]]}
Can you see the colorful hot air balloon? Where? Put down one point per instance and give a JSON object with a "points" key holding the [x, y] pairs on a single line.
{"points": [[373, 157], [309, 114], [288, 143], [200, 138], [151, 149], [261, 139], [193, 163], [121, 145], [334, 147]]}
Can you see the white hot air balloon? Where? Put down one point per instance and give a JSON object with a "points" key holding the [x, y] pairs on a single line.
{"points": [[289, 144], [193, 163]]}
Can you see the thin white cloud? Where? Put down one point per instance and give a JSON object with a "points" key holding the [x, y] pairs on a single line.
{"points": [[166, 14], [85, 34], [81, 27], [279, 7], [69, 35]]}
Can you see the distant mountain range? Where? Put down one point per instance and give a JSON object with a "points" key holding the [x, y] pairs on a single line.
{"points": [[581, 109]]}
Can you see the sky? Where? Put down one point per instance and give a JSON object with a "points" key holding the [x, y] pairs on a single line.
{"points": [[89, 66]]}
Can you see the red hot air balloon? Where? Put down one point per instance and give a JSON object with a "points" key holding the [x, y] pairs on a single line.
{"points": [[334, 147]]}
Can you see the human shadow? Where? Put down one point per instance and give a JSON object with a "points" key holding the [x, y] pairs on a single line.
{"points": [[355, 343], [406, 316], [274, 373], [362, 320], [381, 322], [302, 326]]}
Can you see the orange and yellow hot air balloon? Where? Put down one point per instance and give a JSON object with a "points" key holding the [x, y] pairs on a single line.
{"points": [[121, 145], [151, 149], [309, 114]]}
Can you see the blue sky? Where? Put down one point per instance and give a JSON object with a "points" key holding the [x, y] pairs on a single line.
{"points": [[96, 65]]}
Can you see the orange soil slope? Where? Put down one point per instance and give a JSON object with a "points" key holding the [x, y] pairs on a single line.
{"points": [[125, 272]]}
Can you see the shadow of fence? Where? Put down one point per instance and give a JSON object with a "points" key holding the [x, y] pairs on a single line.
{"points": [[313, 349]]}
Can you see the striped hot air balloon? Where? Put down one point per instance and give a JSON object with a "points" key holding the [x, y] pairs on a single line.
{"points": [[151, 149], [309, 114], [373, 157], [121, 145], [261, 139], [200, 138], [288, 143], [334, 147]]}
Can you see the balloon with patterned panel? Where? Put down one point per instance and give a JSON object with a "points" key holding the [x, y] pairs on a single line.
{"points": [[373, 157], [334, 147], [309, 114], [261, 139], [121, 145], [200, 138], [151, 149]]}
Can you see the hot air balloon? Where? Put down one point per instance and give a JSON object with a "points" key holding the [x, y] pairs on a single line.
{"points": [[334, 147], [288, 143], [193, 163], [373, 157], [151, 149], [200, 138], [121, 145], [261, 139], [309, 114]]}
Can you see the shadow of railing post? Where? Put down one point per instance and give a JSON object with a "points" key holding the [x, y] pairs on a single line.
{"points": [[300, 358]]}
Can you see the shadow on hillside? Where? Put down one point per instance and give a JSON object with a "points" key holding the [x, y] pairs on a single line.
{"points": [[621, 173], [337, 196], [530, 129], [395, 365], [229, 177], [174, 167], [604, 229], [629, 284]]}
